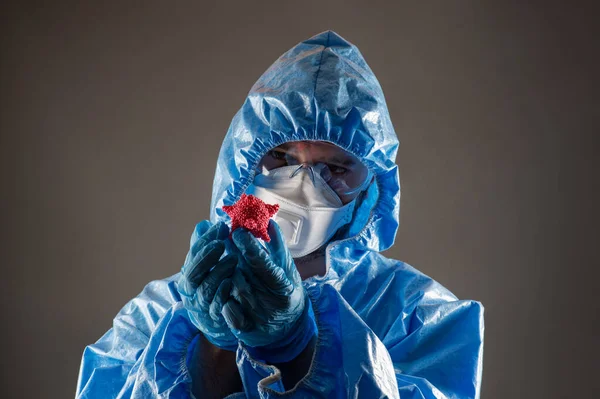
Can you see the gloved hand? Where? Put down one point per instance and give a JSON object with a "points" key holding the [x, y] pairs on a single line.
{"points": [[268, 310], [205, 282]]}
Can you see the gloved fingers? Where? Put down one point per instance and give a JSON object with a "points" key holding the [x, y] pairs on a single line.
{"points": [[249, 246], [280, 251], [235, 316], [270, 280], [223, 231], [259, 261], [222, 270], [186, 290], [219, 231], [196, 242], [277, 243], [251, 278], [204, 260], [249, 275], [244, 293], [220, 298], [200, 229]]}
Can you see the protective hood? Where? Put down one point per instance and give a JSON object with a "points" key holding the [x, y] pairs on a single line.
{"points": [[385, 330], [321, 89]]}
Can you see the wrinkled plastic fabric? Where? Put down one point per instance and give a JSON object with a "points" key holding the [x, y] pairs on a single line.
{"points": [[384, 328], [266, 275], [202, 289]]}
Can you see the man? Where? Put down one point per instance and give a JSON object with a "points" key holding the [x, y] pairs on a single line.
{"points": [[315, 311]]}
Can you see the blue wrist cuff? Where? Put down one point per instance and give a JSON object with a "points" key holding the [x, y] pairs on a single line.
{"points": [[289, 348]]}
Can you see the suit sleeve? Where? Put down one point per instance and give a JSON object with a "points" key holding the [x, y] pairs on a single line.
{"points": [[435, 341], [144, 353], [349, 360], [396, 335], [441, 357]]}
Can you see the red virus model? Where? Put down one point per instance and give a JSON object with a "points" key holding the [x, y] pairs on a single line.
{"points": [[253, 214]]}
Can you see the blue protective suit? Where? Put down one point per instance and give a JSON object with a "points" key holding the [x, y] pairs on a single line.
{"points": [[384, 328]]}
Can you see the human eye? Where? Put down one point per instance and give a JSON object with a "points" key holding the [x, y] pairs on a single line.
{"points": [[337, 170], [277, 154]]}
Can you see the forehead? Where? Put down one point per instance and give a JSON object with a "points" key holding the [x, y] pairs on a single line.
{"points": [[319, 150]]}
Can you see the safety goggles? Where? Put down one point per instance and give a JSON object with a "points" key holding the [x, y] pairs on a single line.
{"points": [[342, 171]]}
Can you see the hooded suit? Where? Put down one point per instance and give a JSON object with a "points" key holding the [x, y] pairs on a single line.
{"points": [[384, 328]]}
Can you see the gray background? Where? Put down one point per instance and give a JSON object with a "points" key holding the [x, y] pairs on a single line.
{"points": [[112, 117]]}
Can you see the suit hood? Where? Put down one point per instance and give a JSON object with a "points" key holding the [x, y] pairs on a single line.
{"points": [[320, 90]]}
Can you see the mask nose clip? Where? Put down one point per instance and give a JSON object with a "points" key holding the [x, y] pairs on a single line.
{"points": [[308, 167]]}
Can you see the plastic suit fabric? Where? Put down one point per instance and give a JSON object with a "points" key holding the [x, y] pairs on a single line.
{"points": [[384, 328]]}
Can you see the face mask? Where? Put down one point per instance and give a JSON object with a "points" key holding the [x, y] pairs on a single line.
{"points": [[310, 212]]}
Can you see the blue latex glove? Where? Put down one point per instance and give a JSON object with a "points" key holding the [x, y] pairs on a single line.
{"points": [[268, 310], [205, 283]]}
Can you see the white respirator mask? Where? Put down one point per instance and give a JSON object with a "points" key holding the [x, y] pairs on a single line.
{"points": [[310, 211]]}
